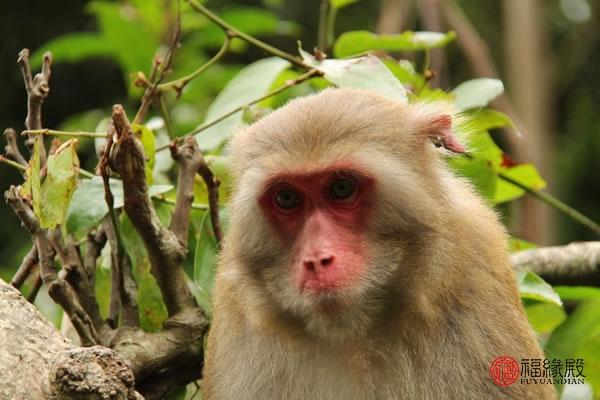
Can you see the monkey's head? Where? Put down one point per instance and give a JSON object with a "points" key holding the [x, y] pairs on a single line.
{"points": [[335, 195]]}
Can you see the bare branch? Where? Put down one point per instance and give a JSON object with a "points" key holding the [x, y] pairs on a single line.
{"points": [[37, 91], [165, 251], [574, 264], [190, 159], [26, 268], [58, 289], [12, 148]]}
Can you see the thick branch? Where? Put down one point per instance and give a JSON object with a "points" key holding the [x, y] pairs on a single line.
{"points": [[165, 251], [574, 264], [58, 289], [189, 158], [73, 272]]}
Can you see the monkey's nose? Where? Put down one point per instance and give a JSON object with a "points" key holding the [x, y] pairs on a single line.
{"points": [[323, 262]]}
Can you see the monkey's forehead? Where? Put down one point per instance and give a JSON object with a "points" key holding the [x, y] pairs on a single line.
{"points": [[331, 125]]}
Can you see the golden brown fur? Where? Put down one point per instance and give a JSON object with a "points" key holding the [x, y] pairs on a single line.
{"points": [[440, 303]]}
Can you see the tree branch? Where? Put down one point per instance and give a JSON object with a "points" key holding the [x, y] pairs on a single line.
{"points": [[12, 148], [37, 88], [574, 264], [164, 249], [30, 261]]}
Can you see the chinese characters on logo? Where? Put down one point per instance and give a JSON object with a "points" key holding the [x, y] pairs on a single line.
{"points": [[505, 371]]}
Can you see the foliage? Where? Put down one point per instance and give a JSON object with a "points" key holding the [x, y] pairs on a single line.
{"points": [[131, 33]]}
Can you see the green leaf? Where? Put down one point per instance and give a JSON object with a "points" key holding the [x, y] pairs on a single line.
{"points": [[532, 287], [575, 293], [480, 172], [73, 47], [579, 337], [341, 3], [250, 20], [545, 317], [516, 244], [362, 73], [482, 146], [152, 310], [486, 119], [32, 188], [477, 93], [205, 264], [249, 84], [88, 205], [358, 42], [148, 140], [132, 43], [59, 185], [525, 174]]}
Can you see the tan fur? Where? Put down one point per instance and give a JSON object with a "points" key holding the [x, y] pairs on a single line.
{"points": [[440, 301]]}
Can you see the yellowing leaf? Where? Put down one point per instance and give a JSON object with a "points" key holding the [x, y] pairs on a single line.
{"points": [[59, 185]]}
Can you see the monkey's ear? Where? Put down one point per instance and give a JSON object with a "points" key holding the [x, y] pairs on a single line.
{"points": [[439, 131]]}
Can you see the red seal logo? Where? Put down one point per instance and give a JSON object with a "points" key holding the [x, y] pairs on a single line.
{"points": [[504, 371]]}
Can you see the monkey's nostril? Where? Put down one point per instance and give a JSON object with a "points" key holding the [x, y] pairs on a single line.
{"points": [[309, 265], [326, 261]]}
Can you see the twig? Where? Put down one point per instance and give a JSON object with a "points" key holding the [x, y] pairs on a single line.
{"points": [[190, 159], [212, 186], [12, 148], [27, 266], [160, 68], [37, 91], [53, 132], [37, 285], [556, 203], [324, 10], [574, 264], [178, 84], [231, 31], [302, 78]]}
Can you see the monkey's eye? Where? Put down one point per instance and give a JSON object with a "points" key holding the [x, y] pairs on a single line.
{"points": [[287, 199], [342, 189]]}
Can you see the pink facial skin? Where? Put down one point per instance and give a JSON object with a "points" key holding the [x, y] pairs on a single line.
{"points": [[324, 232]]}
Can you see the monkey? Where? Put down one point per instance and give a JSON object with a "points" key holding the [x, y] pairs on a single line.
{"points": [[357, 265]]}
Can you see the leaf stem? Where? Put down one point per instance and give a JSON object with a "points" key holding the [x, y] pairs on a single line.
{"points": [[52, 132], [232, 32], [180, 83], [556, 203], [302, 78]]}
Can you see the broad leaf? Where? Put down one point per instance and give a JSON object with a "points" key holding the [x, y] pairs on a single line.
{"points": [[74, 47], [532, 287], [59, 185], [88, 205], [516, 244], [152, 311], [361, 73], [358, 42], [249, 84], [205, 264], [477, 93], [525, 174], [486, 119]]}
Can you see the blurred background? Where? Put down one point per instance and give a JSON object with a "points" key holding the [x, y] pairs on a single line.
{"points": [[547, 52]]}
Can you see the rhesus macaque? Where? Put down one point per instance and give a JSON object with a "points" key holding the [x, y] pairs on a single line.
{"points": [[357, 266]]}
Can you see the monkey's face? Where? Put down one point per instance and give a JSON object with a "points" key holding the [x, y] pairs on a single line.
{"points": [[332, 193]]}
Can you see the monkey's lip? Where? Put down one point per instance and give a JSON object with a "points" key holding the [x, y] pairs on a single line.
{"points": [[319, 286]]}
